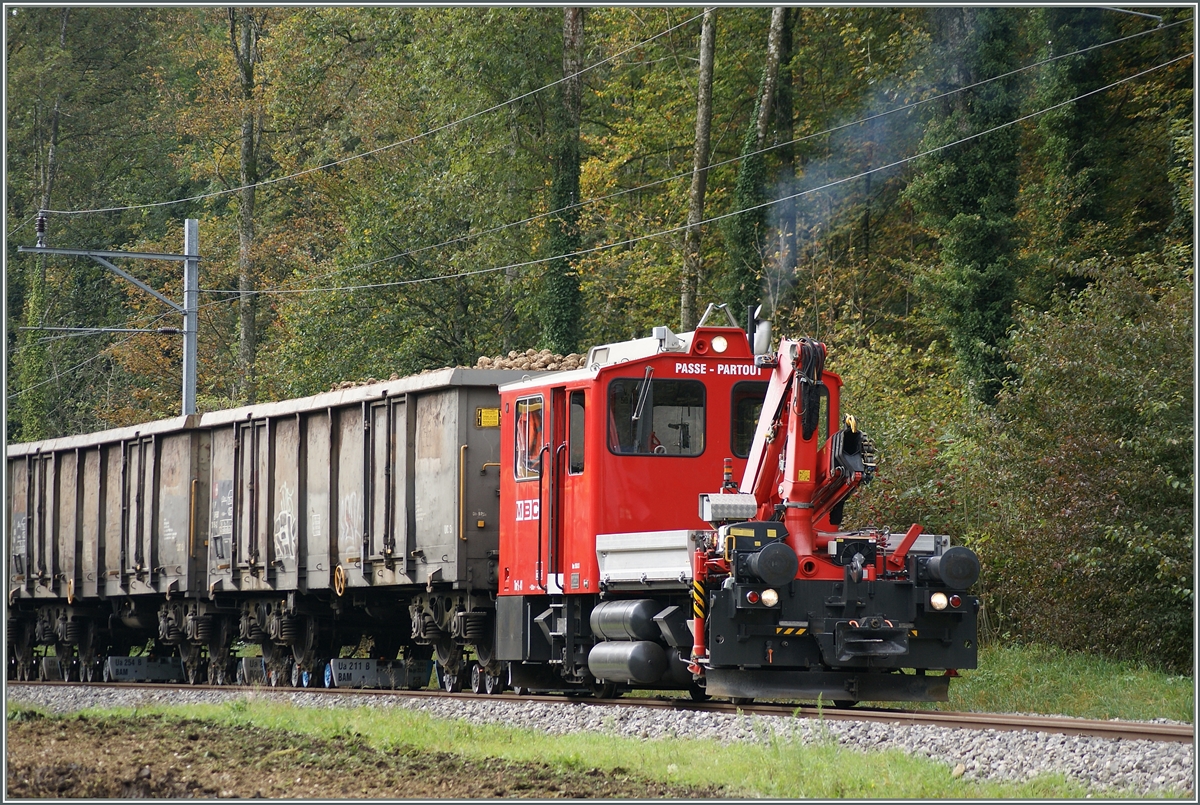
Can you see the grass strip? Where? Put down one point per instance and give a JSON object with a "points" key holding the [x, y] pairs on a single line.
{"points": [[772, 768], [1050, 681]]}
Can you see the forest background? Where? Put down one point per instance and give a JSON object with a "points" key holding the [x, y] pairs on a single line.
{"points": [[986, 213]]}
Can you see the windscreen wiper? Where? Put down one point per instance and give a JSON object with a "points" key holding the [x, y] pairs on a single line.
{"points": [[643, 393]]}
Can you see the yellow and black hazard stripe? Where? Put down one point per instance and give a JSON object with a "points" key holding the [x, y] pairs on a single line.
{"points": [[699, 604], [790, 630]]}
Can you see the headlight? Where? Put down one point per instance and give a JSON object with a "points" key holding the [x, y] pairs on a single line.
{"points": [[719, 344], [938, 601], [770, 598]]}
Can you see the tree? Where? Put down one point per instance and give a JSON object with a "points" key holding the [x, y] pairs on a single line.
{"points": [[747, 229], [693, 264], [80, 135], [1090, 467], [561, 298], [967, 195], [245, 30]]}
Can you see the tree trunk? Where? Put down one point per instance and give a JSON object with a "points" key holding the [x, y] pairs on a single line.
{"points": [[692, 264], [785, 128], [243, 35], [766, 95], [747, 229], [561, 307]]}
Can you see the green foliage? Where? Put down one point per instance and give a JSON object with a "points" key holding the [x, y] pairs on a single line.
{"points": [[80, 134], [747, 230], [967, 193], [910, 403], [1090, 468]]}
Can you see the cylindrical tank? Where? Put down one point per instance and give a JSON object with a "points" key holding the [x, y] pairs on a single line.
{"points": [[626, 620], [622, 661], [776, 564], [958, 567]]}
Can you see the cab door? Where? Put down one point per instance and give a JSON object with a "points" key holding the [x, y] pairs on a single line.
{"points": [[573, 552], [525, 530]]}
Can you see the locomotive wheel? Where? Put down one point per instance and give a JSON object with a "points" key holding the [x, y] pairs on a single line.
{"points": [[845, 704], [452, 683], [493, 685], [478, 678], [698, 693], [605, 690], [741, 700]]}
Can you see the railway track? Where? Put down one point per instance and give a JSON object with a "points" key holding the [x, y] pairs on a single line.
{"points": [[1095, 728]]}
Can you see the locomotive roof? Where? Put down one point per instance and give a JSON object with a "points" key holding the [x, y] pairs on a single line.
{"points": [[440, 378], [637, 349]]}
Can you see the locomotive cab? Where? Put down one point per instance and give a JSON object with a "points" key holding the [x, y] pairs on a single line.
{"points": [[601, 469]]}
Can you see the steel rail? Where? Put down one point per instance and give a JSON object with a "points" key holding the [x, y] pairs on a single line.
{"points": [[1065, 725]]}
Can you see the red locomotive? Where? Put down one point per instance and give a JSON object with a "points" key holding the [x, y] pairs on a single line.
{"points": [[628, 557]]}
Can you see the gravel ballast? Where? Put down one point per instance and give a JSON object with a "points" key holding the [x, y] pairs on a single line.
{"points": [[1137, 766]]}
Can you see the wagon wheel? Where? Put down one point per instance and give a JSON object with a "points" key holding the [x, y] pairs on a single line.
{"points": [[449, 656], [191, 662], [64, 655], [493, 684], [219, 645], [478, 679]]}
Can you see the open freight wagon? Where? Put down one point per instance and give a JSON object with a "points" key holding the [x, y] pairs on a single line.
{"points": [[301, 527]]}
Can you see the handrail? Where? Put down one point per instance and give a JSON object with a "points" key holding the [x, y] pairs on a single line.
{"points": [[462, 493]]}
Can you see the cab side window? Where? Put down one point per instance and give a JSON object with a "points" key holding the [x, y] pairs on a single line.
{"points": [[576, 433], [528, 423], [747, 405]]}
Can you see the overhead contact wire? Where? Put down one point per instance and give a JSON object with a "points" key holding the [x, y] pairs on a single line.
{"points": [[586, 202], [390, 146], [714, 219]]}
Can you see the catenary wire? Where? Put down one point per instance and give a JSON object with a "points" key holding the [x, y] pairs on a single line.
{"points": [[676, 229], [381, 149], [585, 202], [672, 230]]}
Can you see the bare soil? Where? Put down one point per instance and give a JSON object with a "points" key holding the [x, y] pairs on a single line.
{"points": [[155, 757]]}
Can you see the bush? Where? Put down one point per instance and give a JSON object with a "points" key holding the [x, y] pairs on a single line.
{"points": [[913, 406], [1089, 460]]}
